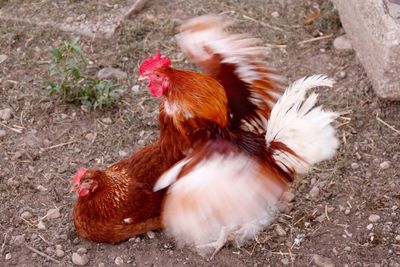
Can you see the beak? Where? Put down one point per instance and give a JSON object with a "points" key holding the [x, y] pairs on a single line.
{"points": [[74, 188], [142, 78]]}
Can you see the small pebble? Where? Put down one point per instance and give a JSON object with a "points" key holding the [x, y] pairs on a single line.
{"points": [[385, 165], [279, 230], [341, 75], [397, 238], [76, 241], [107, 120], [342, 43], [69, 19], [119, 261], [80, 260], [323, 261], [49, 250], [2, 133], [374, 218], [285, 261], [59, 247], [151, 234], [60, 253], [111, 73], [347, 249], [137, 240], [8, 256], [370, 226], [81, 250], [3, 58], [314, 193], [288, 196], [355, 166], [26, 215], [41, 225], [90, 137], [101, 264], [19, 240], [135, 88], [41, 188], [275, 14], [53, 214], [5, 114], [122, 153]]}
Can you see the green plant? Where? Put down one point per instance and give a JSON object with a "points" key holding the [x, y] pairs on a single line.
{"points": [[68, 80]]}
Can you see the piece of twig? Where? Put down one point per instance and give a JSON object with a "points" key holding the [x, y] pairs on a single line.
{"points": [[316, 39], [12, 129], [387, 125], [264, 24], [42, 254], [137, 6], [60, 145]]}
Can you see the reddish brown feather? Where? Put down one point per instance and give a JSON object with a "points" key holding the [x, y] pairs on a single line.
{"points": [[125, 190]]}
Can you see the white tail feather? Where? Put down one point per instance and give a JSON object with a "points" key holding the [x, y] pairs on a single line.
{"points": [[222, 192], [304, 128], [170, 176]]}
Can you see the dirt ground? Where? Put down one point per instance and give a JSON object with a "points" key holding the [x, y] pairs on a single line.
{"points": [[329, 219]]}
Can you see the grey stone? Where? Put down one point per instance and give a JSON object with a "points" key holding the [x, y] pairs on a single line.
{"points": [[111, 73], [342, 43], [323, 261], [5, 114], [80, 260], [3, 58], [375, 36]]}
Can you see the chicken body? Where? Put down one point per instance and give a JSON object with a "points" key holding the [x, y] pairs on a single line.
{"points": [[120, 202], [222, 193]]}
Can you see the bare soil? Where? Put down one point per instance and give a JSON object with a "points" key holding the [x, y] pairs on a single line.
{"points": [[46, 140]]}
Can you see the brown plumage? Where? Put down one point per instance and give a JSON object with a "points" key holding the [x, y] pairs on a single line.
{"points": [[117, 203]]}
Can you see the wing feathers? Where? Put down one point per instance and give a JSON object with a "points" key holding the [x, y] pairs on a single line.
{"points": [[237, 62]]}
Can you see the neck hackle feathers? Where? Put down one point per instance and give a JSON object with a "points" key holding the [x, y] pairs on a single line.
{"points": [[155, 62]]}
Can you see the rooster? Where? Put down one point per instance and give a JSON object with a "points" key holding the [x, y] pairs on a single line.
{"points": [[117, 203], [221, 193], [237, 90]]}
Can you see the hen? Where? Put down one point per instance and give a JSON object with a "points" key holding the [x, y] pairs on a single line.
{"points": [[117, 203], [221, 193]]}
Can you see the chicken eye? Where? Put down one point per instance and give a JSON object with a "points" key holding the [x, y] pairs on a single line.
{"points": [[158, 75]]}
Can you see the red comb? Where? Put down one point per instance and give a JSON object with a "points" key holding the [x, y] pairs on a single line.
{"points": [[78, 175], [155, 62]]}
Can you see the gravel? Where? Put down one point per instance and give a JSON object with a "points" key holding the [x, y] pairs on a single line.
{"points": [[26, 215], [19, 240], [3, 133], [370, 226], [41, 225], [342, 43], [151, 234], [5, 114], [53, 214], [314, 193], [323, 261], [384, 165], [80, 260], [8, 256], [60, 253], [111, 73], [119, 261], [374, 218]]}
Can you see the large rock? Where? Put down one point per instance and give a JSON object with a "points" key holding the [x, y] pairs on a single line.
{"points": [[375, 36]]}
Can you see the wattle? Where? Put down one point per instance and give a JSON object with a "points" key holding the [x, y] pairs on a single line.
{"points": [[155, 90]]}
